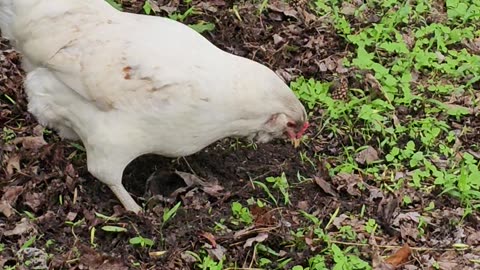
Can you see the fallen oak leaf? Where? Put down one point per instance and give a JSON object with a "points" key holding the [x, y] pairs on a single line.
{"points": [[400, 257]]}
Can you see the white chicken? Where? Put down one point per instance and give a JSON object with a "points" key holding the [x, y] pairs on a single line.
{"points": [[128, 84]]}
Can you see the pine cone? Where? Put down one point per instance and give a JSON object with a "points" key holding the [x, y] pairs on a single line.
{"points": [[340, 88]]}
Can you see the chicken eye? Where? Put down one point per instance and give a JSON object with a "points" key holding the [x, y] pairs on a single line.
{"points": [[291, 125]]}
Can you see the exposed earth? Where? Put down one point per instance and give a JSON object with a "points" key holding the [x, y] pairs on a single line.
{"points": [[49, 198]]}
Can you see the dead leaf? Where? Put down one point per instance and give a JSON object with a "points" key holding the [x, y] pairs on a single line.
{"points": [[282, 7], [31, 142], [6, 209], [34, 200], [303, 205], [325, 186], [11, 194], [71, 216], [24, 227], [375, 193], [188, 258], [348, 9], [474, 239], [214, 190], [400, 257], [348, 180], [154, 6], [218, 252], [377, 261], [367, 156], [190, 180], [210, 238], [257, 239], [263, 216], [13, 163], [91, 259], [405, 217]]}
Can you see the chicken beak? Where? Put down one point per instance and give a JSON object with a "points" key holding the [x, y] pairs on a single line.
{"points": [[296, 142]]}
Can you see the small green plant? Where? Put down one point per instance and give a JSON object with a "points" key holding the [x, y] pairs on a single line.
{"points": [[147, 8], [241, 213], [140, 241], [205, 262], [344, 261], [170, 213], [202, 27], [371, 226], [8, 134], [280, 183], [176, 16], [106, 218], [30, 215], [114, 4], [29, 242], [114, 229]]}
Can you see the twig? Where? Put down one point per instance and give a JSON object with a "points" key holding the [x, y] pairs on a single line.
{"points": [[394, 247]]}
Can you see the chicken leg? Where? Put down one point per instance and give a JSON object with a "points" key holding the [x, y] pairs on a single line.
{"points": [[107, 162], [125, 198]]}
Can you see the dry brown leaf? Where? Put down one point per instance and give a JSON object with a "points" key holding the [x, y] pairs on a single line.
{"points": [[400, 257], [91, 259], [325, 186], [24, 227], [211, 189], [474, 238], [217, 253], [263, 216], [348, 180], [6, 209], [11, 194], [31, 142], [367, 156], [34, 200], [257, 239], [210, 237], [303, 205], [282, 7], [348, 9], [13, 162]]}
